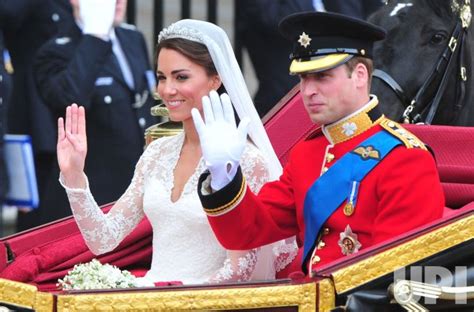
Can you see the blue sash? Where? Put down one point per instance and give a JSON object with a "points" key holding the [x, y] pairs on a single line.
{"points": [[340, 183]]}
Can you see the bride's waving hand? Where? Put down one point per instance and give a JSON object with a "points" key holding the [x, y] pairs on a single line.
{"points": [[72, 146]]}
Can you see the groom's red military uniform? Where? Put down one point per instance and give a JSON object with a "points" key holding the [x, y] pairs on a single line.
{"points": [[399, 194], [358, 181]]}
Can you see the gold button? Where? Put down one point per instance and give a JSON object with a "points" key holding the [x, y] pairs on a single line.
{"points": [[329, 157], [315, 259], [326, 231], [321, 244]]}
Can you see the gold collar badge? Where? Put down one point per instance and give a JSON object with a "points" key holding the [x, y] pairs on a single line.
{"points": [[348, 242], [304, 40], [368, 152]]}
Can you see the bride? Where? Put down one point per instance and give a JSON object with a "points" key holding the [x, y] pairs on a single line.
{"points": [[194, 58]]}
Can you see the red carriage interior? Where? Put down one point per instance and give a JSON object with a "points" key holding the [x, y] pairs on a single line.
{"points": [[42, 255]]}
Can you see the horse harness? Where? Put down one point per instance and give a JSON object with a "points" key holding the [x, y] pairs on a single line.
{"points": [[413, 112]]}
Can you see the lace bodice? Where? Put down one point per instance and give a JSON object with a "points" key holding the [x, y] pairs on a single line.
{"points": [[184, 246]]}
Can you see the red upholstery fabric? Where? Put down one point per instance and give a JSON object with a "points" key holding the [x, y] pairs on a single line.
{"points": [[287, 124], [54, 255], [453, 148]]}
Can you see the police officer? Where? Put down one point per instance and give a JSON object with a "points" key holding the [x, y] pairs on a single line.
{"points": [[103, 65], [27, 25], [356, 181]]}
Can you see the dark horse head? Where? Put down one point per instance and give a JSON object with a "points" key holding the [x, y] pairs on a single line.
{"points": [[428, 54]]}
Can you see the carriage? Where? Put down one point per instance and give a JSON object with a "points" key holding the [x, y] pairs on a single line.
{"points": [[430, 267], [32, 261]]}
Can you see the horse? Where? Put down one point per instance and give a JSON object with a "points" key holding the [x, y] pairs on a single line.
{"points": [[423, 68]]}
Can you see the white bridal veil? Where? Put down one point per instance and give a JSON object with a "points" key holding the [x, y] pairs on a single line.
{"points": [[222, 54]]}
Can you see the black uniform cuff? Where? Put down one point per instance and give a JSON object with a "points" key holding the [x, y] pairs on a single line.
{"points": [[225, 199]]}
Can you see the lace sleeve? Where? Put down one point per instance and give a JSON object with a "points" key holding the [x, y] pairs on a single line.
{"points": [[254, 168], [103, 232], [240, 265]]}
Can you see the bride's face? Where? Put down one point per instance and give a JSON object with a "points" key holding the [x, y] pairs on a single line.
{"points": [[182, 84]]}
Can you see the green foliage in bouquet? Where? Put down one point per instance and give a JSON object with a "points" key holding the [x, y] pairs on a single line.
{"points": [[94, 275]]}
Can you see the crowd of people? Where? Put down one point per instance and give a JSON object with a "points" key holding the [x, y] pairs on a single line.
{"points": [[58, 60], [221, 206]]}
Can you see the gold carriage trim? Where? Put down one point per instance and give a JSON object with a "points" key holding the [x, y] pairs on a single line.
{"points": [[405, 254], [326, 295], [25, 296], [230, 205], [302, 296], [408, 138]]}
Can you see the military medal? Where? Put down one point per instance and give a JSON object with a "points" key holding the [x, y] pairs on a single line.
{"points": [[348, 209], [348, 242], [350, 205]]}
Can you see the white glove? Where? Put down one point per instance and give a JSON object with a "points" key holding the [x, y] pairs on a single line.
{"points": [[222, 143], [97, 16]]}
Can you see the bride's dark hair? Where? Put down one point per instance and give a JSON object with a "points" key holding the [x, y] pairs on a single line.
{"points": [[195, 51]]}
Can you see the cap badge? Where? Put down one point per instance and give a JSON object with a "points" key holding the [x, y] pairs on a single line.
{"points": [[348, 242], [304, 40]]}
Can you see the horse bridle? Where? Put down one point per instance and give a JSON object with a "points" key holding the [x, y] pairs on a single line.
{"points": [[413, 112]]}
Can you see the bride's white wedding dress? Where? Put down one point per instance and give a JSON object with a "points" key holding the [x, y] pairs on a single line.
{"points": [[184, 246]]}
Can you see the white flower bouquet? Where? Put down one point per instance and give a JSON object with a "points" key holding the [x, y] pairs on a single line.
{"points": [[94, 275]]}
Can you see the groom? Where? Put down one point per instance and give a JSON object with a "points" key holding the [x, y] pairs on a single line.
{"points": [[358, 180]]}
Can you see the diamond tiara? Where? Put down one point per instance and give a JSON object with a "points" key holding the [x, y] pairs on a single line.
{"points": [[176, 31]]}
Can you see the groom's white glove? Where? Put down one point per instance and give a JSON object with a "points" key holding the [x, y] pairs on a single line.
{"points": [[97, 16], [222, 143]]}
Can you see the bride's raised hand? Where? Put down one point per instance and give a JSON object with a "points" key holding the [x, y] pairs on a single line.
{"points": [[72, 146]]}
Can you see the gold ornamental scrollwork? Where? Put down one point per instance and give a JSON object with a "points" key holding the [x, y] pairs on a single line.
{"points": [[326, 295], [405, 254], [24, 295], [303, 296]]}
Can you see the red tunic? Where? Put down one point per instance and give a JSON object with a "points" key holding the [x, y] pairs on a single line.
{"points": [[401, 193]]}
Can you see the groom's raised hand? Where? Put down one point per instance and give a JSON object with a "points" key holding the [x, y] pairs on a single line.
{"points": [[222, 142]]}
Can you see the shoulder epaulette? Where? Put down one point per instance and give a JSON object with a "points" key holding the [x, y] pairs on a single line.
{"points": [[408, 138], [62, 40], [314, 134], [128, 26]]}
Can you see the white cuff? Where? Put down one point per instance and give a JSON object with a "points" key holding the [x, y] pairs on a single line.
{"points": [[74, 190]]}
